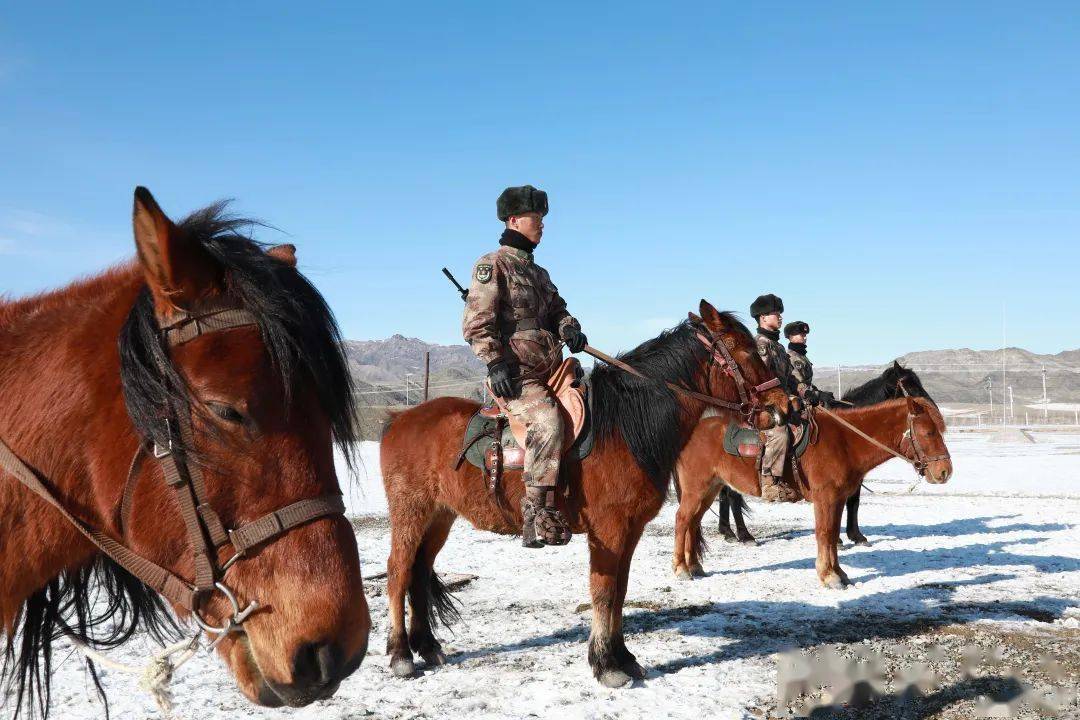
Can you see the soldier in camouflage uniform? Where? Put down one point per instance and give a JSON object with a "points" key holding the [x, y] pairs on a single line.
{"points": [[801, 367], [768, 310], [514, 319]]}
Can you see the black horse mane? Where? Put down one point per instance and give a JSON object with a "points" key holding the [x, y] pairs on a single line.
{"points": [[886, 387], [102, 605], [644, 412]]}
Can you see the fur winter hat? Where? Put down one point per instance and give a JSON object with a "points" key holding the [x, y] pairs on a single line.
{"points": [[796, 328], [521, 200], [766, 305]]}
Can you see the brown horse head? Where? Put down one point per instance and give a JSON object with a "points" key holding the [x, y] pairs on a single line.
{"points": [[266, 402], [740, 343], [924, 441]]}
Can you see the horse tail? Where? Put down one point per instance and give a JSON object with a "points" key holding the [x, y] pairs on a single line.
{"points": [[738, 502], [675, 482], [442, 605]]}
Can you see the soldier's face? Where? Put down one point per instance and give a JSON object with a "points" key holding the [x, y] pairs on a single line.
{"points": [[531, 225], [799, 338], [771, 321]]}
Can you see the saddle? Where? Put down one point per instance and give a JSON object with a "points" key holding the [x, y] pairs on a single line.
{"points": [[495, 441], [744, 441]]}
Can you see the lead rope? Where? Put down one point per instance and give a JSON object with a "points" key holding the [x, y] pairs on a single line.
{"points": [[157, 675]]}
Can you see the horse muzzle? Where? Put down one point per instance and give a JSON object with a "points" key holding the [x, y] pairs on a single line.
{"points": [[317, 672], [938, 472]]}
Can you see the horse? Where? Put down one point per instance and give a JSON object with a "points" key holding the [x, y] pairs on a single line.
{"points": [[641, 424], [211, 362], [831, 471], [891, 384]]}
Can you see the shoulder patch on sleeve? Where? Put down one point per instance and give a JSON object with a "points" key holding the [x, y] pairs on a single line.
{"points": [[483, 272]]}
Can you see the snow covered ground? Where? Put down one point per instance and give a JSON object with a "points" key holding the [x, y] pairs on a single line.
{"points": [[993, 555]]}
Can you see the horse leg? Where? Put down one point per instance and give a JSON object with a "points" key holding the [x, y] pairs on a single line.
{"points": [[827, 511], [689, 543], [606, 551], [738, 505], [854, 534], [426, 595], [627, 662], [724, 510], [407, 532]]}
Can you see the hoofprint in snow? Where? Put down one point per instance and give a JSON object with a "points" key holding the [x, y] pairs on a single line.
{"points": [[993, 554]]}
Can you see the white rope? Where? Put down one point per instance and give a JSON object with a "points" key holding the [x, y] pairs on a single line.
{"points": [[156, 675]]}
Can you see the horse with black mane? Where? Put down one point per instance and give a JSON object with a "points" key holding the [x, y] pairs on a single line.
{"points": [[890, 385], [641, 425], [218, 367]]}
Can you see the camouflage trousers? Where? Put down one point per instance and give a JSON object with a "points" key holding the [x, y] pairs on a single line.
{"points": [[777, 441], [537, 409]]}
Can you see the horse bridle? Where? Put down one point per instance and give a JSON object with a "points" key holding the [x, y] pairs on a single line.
{"points": [[206, 534], [922, 459], [749, 395]]}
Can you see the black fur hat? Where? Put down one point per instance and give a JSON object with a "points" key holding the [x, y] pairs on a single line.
{"points": [[766, 305], [520, 200], [796, 328]]}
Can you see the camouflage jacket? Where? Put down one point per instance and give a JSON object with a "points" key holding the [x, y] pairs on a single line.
{"points": [[514, 312], [802, 370], [776, 359]]}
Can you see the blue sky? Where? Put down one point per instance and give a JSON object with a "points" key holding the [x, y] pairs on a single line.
{"points": [[896, 173]]}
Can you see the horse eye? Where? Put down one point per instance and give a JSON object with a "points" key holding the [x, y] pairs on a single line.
{"points": [[227, 413]]}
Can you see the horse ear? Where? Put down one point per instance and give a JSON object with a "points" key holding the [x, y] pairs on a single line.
{"points": [[284, 253], [694, 318], [710, 315], [177, 269], [896, 364], [912, 406]]}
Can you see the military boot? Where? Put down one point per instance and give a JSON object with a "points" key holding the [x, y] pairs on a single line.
{"points": [[542, 524], [774, 489]]}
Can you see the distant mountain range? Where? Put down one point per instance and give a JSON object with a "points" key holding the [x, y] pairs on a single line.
{"points": [[380, 368]]}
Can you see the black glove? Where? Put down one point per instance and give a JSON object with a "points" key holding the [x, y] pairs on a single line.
{"points": [[502, 384], [826, 398], [574, 338]]}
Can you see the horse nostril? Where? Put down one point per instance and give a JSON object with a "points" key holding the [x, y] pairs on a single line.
{"points": [[315, 664]]}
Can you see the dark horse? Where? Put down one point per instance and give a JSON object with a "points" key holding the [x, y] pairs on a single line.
{"points": [[885, 387], [85, 377], [641, 427]]}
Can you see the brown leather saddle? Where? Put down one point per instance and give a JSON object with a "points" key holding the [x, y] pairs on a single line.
{"points": [[494, 441]]}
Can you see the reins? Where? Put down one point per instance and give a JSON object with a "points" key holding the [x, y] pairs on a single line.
{"points": [[748, 394]]}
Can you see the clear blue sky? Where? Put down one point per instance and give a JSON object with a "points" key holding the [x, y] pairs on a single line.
{"points": [[895, 172]]}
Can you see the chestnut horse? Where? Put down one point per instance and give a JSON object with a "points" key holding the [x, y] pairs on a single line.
{"points": [[86, 379], [894, 382], [831, 471], [641, 426]]}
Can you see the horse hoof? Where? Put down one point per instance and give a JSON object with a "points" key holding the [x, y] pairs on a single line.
{"points": [[834, 582], [748, 540], [633, 669], [683, 574], [615, 679], [859, 540], [434, 657], [402, 667], [697, 571], [731, 539]]}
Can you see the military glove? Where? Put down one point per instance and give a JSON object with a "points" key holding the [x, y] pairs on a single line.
{"points": [[574, 338], [826, 398], [502, 384]]}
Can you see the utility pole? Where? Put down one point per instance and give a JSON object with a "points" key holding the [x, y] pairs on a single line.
{"points": [[1010, 403], [990, 394], [407, 376], [1044, 395], [839, 385], [427, 374]]}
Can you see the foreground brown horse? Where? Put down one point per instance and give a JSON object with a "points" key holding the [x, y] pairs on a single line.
{"points": [[832, 470], [85, 378], [641, 426]]}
